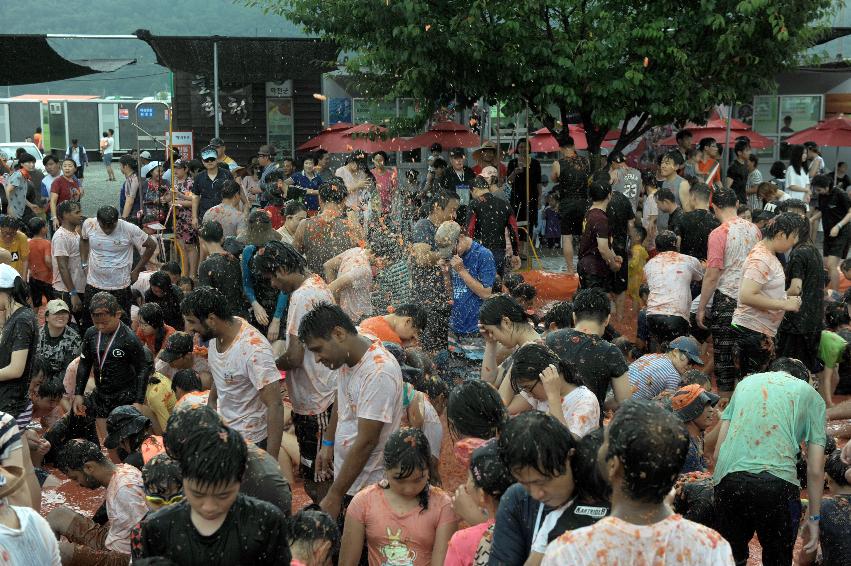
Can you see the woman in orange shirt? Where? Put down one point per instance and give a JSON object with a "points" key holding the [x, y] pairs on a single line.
{"points": [[153, 332]]}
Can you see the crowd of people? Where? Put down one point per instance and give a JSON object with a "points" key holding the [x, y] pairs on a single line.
{"points": [[337, 330]]}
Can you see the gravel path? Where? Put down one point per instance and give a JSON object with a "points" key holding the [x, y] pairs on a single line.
{"points": [[99, 191]]}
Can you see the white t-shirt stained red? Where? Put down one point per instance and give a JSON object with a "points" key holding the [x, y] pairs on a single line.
{"points": [[239, 373], [727, 249], [111, 255], [371, 389], [67, 244]]}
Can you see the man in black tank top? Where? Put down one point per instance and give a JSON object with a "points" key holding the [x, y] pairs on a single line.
{"points": [[571, 175]]}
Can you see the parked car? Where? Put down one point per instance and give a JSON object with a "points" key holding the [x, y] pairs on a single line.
{"points": [[11, 147]]}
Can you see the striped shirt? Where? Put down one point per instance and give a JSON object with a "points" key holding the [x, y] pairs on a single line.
{"points": [[651, 374], [10, 436]]}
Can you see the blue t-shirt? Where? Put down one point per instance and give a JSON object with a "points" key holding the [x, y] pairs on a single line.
{"points": [[301, 180], [466, 304]]}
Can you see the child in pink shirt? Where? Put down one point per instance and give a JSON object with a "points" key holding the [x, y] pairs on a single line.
{"points": [[476, 503], [403, 519]]}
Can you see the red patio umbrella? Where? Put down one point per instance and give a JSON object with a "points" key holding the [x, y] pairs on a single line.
{"points": [[447, 134], [543, 141], [834, 132], [365, 137], [316, 141], [719, 132], [577, 132]]}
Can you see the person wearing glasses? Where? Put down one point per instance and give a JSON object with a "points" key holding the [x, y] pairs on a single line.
{"points": [[207, 185]]}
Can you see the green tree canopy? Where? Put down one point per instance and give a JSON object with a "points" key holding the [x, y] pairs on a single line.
{"points": [[650, 63]]}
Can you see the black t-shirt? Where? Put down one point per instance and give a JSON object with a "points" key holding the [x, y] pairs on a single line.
{"points": [[590, 259], [577, 515], [210, 190], [674, 219], [739, 173], [518, 187], [170, 305], [223, 272], [254, 532], [595, 361], [835, 530], [124, 367], [263, 480], [489, 217], [19, 333], [694, 228], [805, 263], [833, 206], [620, 214], [572, 181]]}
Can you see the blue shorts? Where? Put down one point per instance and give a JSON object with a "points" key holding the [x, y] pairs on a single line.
{"points": [[107, 158]]}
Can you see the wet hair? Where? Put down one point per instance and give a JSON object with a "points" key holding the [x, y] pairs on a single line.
{"points": [[36, 225], [796, 158], [591, 304], [496, 307], [590, 484], [560, 314], [104, 300], [187, 380], [279, 255], [532, 359], [701, 192], [67, 206], [433, 387], [408, 449], [743, 209], [787, 223], [185, 421], [204, 301], [666, 195], [474, 409], [161, 476], [322, 320], [674, 156], [488, 471], [536, 440], [442, 199], [791, 204], [214, 456], [741, 145], [311, 526], [725, 198], [293, 207], [230, 189], [565, 140], [836, 469], [524, 291], [171, 267], [50, 387], [439, 163], [419, 316], [107, 215], [821, 182], [705, 142], [333, 190], [666, 241], [152, 314], [599, 190], [76, 453], [793, 367], [185, 280], [683, 134], [640, 231], [129, 161], [639, 428], [211, 231], [7, 221], [627, 348], [512, 280], [695, 376]]}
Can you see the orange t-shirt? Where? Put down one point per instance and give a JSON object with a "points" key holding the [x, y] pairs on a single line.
{"points": [[381, 329], [40, 268], [151, 341], [705, 167]]}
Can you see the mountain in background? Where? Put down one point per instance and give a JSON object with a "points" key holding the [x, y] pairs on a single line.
{"points": [[117, 17]]}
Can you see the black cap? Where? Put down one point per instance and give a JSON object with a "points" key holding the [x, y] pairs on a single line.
{"points": [[216, 142], [457, 152], [481, 183], [233, 246], [122, 422], [178, 345], [436, 147], [616, 157]]}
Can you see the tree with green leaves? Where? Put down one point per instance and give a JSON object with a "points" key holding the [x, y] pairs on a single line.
{"points": [[639, 64]]}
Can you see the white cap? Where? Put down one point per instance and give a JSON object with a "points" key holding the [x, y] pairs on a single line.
{"points": [[150, 167], [145, 155], [7, 276]]}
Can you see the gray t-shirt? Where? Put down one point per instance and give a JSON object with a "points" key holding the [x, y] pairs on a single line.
{"points": [[628, 183], [18, 200]]}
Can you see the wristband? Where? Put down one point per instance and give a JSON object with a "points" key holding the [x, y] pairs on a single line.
{"points": [[815, 518], [73, 292], [327, 442]]}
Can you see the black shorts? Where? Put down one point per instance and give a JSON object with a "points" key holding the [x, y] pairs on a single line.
{"points": [[802, 347], [665, 328], [594, 281], [309, 431], [838, 246], [99, 405], [700, 334], [572, 216]]}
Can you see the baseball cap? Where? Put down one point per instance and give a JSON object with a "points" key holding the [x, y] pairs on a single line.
{"points": [[208, 153], [217, 142], [122, 422], [488, 172], [178, 345], [57, 305], [688, 346], [145, 155], [616, 157], [689, 401], [7, 276], [457, 152], [448, 232], [436, 147]]}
